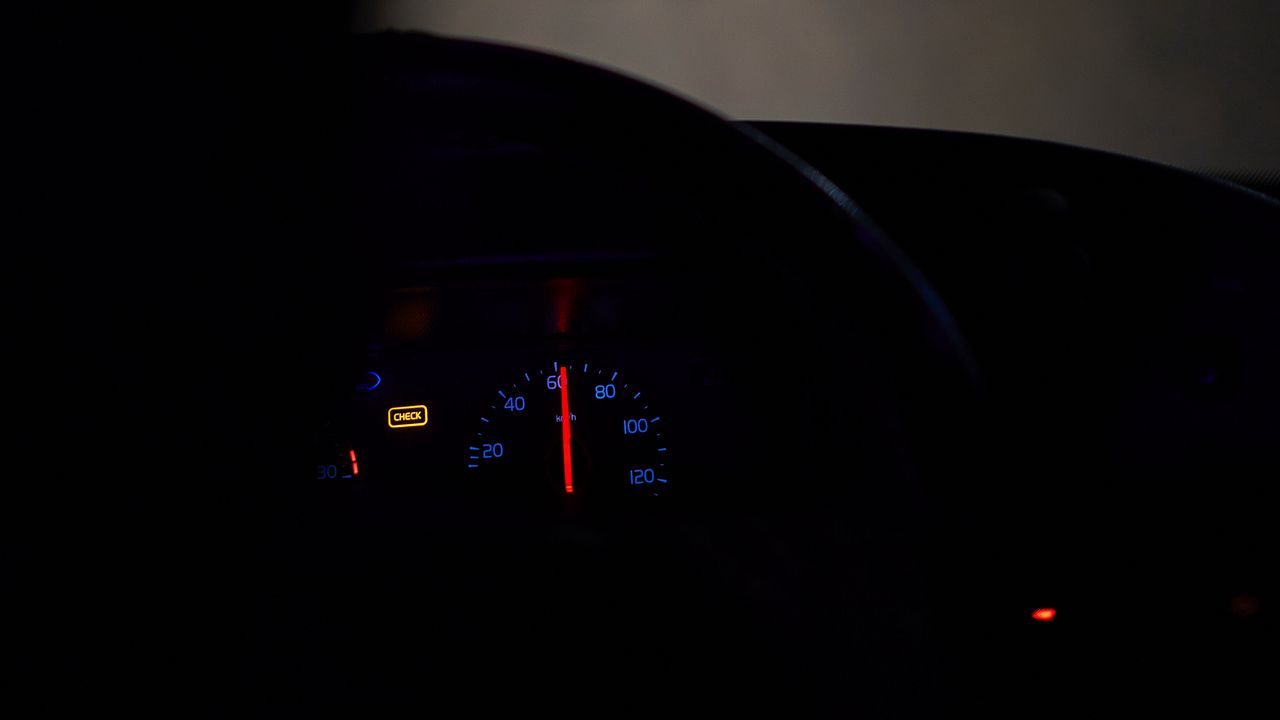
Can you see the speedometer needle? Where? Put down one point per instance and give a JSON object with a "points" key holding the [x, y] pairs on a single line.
{"points": [[565, 432]]}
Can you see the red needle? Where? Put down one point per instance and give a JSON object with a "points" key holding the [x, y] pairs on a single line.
{"points": [[564, 430]]}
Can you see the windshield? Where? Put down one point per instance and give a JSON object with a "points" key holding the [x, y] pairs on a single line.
{"points": [[1187, 82]]}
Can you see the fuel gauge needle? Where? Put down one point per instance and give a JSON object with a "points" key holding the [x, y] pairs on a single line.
{"points": [[565, 430]]}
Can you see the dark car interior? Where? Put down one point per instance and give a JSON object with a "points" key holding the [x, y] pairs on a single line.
{"points": [[397, 373]]}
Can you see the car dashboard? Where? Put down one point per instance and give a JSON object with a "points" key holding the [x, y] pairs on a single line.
{"points": [[581, 396]]}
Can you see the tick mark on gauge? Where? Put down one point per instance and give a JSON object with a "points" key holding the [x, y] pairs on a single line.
{"points": [[636, 396], [502, 394], [484, 419], [473, 467], [614, 376], [474, 448], [584, 367], [662, 449], [655, 419], [556, 366], [526, 379]]}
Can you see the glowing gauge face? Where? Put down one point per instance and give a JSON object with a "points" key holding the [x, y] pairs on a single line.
{"points": [[576, 431]]}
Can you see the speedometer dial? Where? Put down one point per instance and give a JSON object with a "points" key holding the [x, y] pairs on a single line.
{"points": [[570, 430]]}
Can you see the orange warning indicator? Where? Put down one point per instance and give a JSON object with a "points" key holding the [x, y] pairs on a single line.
{"points": [[407, 416]]}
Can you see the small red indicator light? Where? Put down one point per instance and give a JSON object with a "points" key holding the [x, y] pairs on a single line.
{"points": [[1044, 614]]}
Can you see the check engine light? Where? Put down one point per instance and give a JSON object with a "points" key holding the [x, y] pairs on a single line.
{"points": [[407, 416]]}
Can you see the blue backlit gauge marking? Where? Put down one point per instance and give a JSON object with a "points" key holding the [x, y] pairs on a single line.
{"points": [[571, 428], [370, 384]]}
